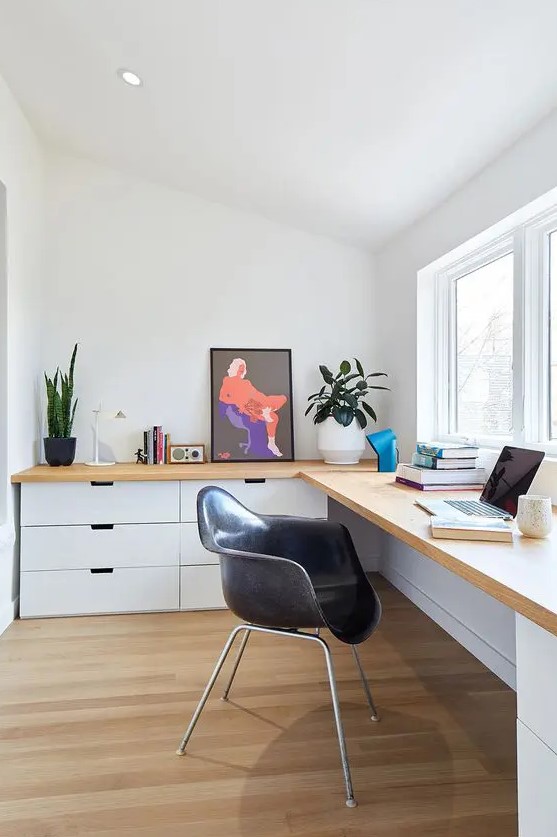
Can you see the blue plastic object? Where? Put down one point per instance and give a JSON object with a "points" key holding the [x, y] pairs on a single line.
{"points": [[384, 444]]}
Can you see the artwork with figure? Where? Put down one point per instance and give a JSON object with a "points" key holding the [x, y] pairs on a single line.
{"points": [[251, 405]]}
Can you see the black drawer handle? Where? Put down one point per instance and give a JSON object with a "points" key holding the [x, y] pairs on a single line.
{"points": [[254, 480], [100, 482], [102, 570], [101, 526]]}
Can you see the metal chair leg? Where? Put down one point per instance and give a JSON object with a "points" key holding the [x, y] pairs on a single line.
{"points": [[365, 684], [350, 801], [200, 706], [236, 664]]}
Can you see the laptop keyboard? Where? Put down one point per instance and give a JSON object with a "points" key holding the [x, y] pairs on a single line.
{"points": [[474, 507]]}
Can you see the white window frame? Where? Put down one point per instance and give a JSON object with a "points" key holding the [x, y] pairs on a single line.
{"points": [[529, 242]]}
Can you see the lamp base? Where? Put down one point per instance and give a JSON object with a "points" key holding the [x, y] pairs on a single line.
{"points": [[98, 464]]}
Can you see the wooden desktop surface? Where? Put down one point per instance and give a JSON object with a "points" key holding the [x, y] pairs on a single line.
{"points": [[522, 575], [130, 472]]}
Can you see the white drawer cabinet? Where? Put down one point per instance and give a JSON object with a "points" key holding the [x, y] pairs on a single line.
{"points": [[117, 547], [200, 588], [91, 547], [537, 781], [270, 496], [79, 592], [192, 551], [45, 504], [536, 680]]}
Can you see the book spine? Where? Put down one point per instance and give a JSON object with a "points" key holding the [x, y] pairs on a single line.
{"points": [[424, 460], [419, 487], [145, 445], [155, 445], [160, 446], [166, 445], [150, 447]]}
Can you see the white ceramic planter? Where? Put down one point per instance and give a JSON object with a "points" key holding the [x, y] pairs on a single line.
{"points": [[339, 445]]}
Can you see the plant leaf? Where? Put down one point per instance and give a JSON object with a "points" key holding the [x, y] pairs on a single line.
{"points": [[309, 409], [359, 367], [377, 375], [362, 421], [327, 374], [369, 410], [374, 387], [345, 367]]}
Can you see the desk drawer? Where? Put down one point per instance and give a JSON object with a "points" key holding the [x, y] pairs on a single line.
{"points": [[89, 547], [200, 588], [80, 592], [275, 496], [46, 504], [192, 551], [536, 680]]}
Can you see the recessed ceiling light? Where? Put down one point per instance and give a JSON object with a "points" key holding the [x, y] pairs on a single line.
{"points": [[130, 77]]}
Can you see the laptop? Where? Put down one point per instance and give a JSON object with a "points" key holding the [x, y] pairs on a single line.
{"points": [[512, 476]]}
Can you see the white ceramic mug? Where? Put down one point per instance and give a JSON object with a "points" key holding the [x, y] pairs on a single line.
{"points": [[534, 517]]}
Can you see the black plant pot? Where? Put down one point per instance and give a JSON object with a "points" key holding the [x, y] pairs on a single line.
{"points": [[59, 451]]}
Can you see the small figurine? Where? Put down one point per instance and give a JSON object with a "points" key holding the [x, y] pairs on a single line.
{"points": [[141, 457]]}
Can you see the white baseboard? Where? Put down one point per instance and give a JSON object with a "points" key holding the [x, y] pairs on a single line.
{"points": [[7, 615], [500, 665]]}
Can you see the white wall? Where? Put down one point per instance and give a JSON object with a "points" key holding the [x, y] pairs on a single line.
{"points": [[21, 172], [147, 279], [524, 172]]}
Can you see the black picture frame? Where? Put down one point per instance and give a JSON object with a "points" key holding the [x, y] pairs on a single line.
{"points": [[238, 431]]}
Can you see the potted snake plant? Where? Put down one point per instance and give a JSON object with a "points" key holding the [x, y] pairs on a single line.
{"points": [[342, 411], [59, 445]]}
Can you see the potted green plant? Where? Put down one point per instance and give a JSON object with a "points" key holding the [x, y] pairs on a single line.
{"points": [[340, 412], [59, 445]]}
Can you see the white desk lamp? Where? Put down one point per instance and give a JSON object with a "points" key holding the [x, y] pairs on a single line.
{"points": [[105, 414]]}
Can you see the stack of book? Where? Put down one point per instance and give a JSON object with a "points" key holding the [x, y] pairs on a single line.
{"points": [[155, 445], [439, 468]]}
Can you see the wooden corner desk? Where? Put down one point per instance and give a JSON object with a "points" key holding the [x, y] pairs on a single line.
{"points": [[522, 575]]}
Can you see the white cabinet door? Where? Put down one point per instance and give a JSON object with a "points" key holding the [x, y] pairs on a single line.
{"points": [[79, 592], [536, 680], [537, 784], [192, 550], [274, 496], [48, 504], [200, 588], [90, 547]]}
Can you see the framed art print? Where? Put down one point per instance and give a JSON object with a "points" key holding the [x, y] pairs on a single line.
{"points": [[251, 405]]}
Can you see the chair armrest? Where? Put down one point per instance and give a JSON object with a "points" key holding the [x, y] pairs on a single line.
{"points": [[268, 590]]}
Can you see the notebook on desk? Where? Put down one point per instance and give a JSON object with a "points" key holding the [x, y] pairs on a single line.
{"points": [[512, 475]]}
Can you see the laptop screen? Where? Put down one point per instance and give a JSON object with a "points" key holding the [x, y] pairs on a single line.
{"points": [[512, 476]]}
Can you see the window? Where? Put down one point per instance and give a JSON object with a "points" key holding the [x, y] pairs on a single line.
{"points": [[483, 302], [496, 337]]}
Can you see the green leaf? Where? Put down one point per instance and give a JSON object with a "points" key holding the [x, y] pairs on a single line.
{"points": [[350, 399], [377, 375], [346, 416], [327, 374], [309, 409], [345, 367], [359, 367], [362, 421], [374, 387], [351, 377], [369, 410], [361, 385]]}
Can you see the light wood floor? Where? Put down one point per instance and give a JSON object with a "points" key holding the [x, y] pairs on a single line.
{"points": [[92, 710]]}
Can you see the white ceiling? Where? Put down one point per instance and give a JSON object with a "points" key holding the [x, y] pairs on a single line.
{"points": [[349, 118]]}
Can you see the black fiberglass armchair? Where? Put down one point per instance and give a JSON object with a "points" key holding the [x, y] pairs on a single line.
{"points": [[281, 574]]}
